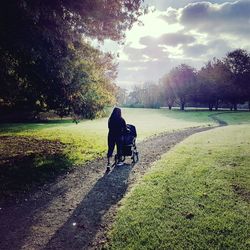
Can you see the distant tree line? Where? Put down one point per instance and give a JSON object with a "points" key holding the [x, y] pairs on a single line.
{"points": [[221, 82], [46, 62]]}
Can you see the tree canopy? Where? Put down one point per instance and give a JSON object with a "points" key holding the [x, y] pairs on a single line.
{"points": [[179, 82], [45, 60], [220, 82], [225, 81]]}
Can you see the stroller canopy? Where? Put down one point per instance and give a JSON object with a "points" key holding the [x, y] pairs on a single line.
{"points": [[132, 130]]}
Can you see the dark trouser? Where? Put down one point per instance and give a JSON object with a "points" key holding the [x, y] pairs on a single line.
{"points": [[112, 141]]}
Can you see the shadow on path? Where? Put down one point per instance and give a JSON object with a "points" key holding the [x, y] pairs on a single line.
{"points": [[80, 229], [16, 220], [77, 210]]}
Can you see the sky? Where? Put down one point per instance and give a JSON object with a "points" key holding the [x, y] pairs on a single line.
{"points": [[180, 31]]}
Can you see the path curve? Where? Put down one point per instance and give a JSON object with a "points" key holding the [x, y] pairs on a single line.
{"points": [[217, 119], [77, 210]]}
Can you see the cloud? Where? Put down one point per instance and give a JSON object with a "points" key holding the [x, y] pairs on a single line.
{"points": [[195, 50], [164, 4], [148, 40], [174, 39], [188, 31], [170, 39], [214, 48], [149, 53], [213, 17], [227, 18], [171, 16], [148, 71], [210, 28]]}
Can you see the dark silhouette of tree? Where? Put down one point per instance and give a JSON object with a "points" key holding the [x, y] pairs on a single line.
{"points": [[44, 56], [238, 62], [182, 80], [225, 82], [213, 84], [168, 94]]}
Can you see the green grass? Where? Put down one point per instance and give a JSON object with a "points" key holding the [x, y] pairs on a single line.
{"points": [[87, 140], [77, 143], [196, 197], [154, 121], [236, 117], [26, 162]]}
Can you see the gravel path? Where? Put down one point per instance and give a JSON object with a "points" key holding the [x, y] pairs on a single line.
{"points": [[77, 210]]}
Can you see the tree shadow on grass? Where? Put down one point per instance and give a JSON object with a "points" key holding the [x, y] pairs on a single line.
{"points": [[16, 127], [21, 174], [81, 228], [20, 179]]}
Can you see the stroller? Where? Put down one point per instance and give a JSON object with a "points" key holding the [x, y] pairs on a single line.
{"points": [[129, 146]]}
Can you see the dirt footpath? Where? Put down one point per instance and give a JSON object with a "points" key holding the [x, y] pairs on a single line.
{"points": [[77, 210]]}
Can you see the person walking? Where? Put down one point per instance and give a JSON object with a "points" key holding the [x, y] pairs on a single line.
{"points": [[117, 128]]}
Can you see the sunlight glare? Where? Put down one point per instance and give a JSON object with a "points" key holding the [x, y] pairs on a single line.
{"points": [[153, 26]]}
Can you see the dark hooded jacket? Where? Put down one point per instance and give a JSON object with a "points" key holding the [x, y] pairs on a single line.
{"points": [[117, 127]]}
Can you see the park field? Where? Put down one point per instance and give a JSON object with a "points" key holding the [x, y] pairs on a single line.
{"points": [[32, 153], [87, 140], [196, 197]]}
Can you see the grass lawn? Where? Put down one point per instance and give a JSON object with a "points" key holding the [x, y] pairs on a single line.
{"points": [[87, 140], [236, 117], [196, 197], [34, 152]]}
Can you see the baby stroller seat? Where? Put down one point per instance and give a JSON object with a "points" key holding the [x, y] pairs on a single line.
{"points": [[129, 145]]}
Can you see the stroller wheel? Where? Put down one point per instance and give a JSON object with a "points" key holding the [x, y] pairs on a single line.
{"points": [[137, 156], [133, 160], [133, 157]]}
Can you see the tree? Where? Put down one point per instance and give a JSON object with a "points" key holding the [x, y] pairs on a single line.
{"points": [[39, 45], [92, 84], [135, 97], [212, 86], [121, 95], [238, 62], [146, 95], [182, 79], [168, 94], [150, 95]]}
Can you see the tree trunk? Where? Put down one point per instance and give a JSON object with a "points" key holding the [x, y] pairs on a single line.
{"points": [[182, 106], [249, 105], [235, 106], [169, 107], [210, 106], [216, 105]]}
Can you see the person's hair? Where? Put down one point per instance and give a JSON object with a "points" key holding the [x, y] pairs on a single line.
{"points": [[116, 114]]}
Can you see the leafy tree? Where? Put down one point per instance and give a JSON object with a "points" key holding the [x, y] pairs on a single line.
{"points": [[168, 94], [135, 97], [224, 81], [121, 95], [150, 95], [92, 85], [146, 95], [40, 43], [238, 62], [182, 79], [213, 84]]}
